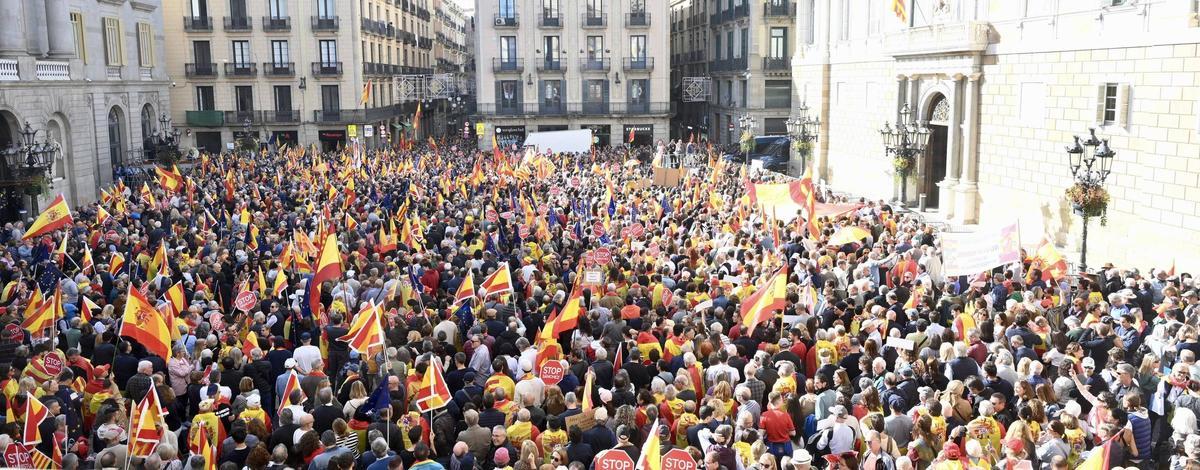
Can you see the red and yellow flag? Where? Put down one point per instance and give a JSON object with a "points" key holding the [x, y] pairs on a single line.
{"points": [[145, 324], [329, 268], [466, 290], [434, 393], [770, 297], [57, 216], [35, 413], [499, 282], [366, 332], [292, 384]]}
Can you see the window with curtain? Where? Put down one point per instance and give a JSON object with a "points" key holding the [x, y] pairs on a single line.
{"points": [[241, 53], [279, 53], [508, 49], [325, 9], [328, 51], [550, 45], [595, 48], [277, 8], [508, 8], [637, 48], [113, 53]]}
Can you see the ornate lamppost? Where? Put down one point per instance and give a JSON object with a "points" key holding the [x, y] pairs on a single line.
{"points": [[904, 143], [28, 163], [746, 124], [1091, 163], [803, 131], [165, 141]]}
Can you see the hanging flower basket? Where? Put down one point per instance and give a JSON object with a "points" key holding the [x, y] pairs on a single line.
{"points": [[901, 164], [1089, 201], [802, 147]]}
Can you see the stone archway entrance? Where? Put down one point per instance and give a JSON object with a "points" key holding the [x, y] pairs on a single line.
{"points": [[933, 166]]}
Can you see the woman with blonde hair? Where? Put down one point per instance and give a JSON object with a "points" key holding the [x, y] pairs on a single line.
{"points": [[358, 396], [529, 457], [955, 405], [722, 392], [555, 403]]}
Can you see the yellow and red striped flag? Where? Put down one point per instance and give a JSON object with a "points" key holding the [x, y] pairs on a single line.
{"points": [[434, 393], [56, 216]]}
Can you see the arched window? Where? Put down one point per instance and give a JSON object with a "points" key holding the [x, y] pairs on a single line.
{"points": [[116, 136], [147, 122]]}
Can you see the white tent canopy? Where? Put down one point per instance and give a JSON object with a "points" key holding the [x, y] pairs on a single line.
{"points": [[576, 141]]}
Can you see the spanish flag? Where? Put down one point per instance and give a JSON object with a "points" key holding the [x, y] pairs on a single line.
{"points": [[57, 216], [499, 282], [9, 289], [366, 94], [206, 449], [651, 458], [88, 263], [176, 299], [102, 215], [144, 324], [434, 393], [1099, 459], [170, 180], [329, 268], [762, 304], [281, 283], [115, 263], [366, 332], [1049, 260], [568, 318], [88, 310], [466, 290], [293, 383]]}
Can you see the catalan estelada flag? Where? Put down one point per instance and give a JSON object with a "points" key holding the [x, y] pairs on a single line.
{"points": [[57, 216], [145, 324]]}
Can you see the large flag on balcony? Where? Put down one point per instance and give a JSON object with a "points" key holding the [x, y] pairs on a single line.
{"points": [[901, 11]]}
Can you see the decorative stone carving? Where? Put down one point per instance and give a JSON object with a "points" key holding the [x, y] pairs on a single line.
{"points": [[970, 37]]}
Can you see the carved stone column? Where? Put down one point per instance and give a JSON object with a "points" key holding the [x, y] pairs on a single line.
{"points": [[12, 35], [953, 149], [967, 203], [58, 22]]}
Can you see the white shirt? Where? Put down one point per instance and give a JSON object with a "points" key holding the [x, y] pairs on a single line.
{"points": [[304, 356], [841, 440]]}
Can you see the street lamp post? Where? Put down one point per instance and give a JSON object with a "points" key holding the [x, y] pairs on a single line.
{"points": [[803, 131], [28, 160], [1091, 163], [904, 143], [746, 123]]}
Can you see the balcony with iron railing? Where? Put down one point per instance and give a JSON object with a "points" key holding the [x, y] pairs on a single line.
{"points": [[638, 63], [633, 20], [425, 43], [551, 64], [193, 24], [281, 116], [235, 24], [326, 69], [241, 70], [508, 65], [777, 64], [240, 117], [506, 20], [551, 108], [277, 24], [279, 69], [200, 70], [325, 23], [553, 20], [593, 20], [779, 10], [595, 65], [339, 115]]}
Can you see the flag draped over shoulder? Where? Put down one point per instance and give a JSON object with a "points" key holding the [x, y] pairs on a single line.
{"points": [[57, 216]]}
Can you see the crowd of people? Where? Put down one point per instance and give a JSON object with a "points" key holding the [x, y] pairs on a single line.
{"points": [[890, 365]]}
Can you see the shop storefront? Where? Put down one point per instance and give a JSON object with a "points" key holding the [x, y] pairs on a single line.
{"points": [[643, 134], [331, 139], [510, 137], [601, 134]]}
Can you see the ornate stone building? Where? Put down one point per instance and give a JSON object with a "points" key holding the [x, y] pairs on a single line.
{"points": [[87, 74], [1003, 85]]}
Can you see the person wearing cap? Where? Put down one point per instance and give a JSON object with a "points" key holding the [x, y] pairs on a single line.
{"points": [[254, 411], [836, 435], [306, 354]]}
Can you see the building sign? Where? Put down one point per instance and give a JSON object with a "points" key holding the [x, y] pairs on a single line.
{"points": [[510, 136], [368, 131], [601, 133], [643, 134], [332, 135], [352, 131]]}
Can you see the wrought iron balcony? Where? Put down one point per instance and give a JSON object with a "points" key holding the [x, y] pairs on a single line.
{"points": [[327, 69], [593, 20], [550, 21], [277, 23], [281, 116], [508, 65], [197, 23], [325, 23], [639, 63], [279, 69], [339, 115], [234, 118], [246, 70], [778, 9], [196, 70], [637, 19], [554, 64], [506, 21], [602, 65], [238, 23], [779, 64]]}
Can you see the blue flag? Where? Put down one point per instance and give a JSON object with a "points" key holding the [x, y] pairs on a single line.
{"points": [[379, 400]]}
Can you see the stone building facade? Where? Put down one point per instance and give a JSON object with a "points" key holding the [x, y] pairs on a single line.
{"points": [[1004, 85], [546, 65], [87, 74]]}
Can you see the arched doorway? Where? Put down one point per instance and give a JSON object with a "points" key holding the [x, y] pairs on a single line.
{"points": [[116, 137], [12, 200], [933, 169]]}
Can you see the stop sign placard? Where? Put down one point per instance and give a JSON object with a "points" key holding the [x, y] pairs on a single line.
{"points": [[491, 215], [614, 459], [678, 459], [53, 364], [603, 256], [245, 301], [552, 372]]}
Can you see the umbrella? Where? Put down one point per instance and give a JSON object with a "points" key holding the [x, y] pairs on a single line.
{"points": [[848, 235]]}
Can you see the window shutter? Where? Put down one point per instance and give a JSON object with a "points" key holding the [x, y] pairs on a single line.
{"points": [[120, 42], [1123, 99], [1100, 90]]}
